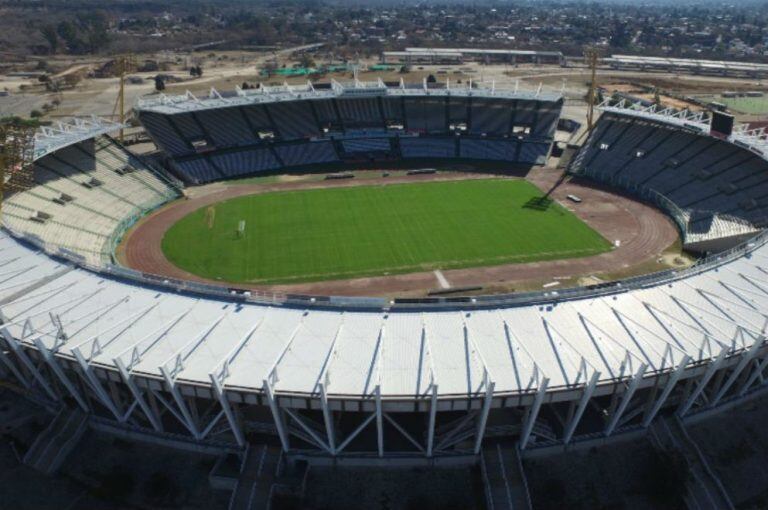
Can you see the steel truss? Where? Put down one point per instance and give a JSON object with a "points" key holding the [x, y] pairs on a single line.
{"points": [[736, 367]]}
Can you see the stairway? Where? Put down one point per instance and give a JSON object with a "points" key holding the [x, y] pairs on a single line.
{"points": [[704, 490], [257, 476], [52, 446], [505, 484]]}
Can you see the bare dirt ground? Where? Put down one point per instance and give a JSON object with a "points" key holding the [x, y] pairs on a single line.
{"points": [[643, 234]]}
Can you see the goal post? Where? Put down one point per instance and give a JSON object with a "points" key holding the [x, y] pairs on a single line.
{"points": [[210, 216]]}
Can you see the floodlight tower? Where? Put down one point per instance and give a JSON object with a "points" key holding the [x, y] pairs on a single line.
{"points": [[591, 57], [124, 64], [17, 149]]}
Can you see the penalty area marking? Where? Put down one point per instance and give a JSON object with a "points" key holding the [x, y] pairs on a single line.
{"points": [[444, 284]]}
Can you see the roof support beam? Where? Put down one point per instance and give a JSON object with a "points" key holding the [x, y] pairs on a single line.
{"points": [[403, 432], [673, 378], [379, 423], [711, 370], [279, 423], [138, 397], [323, 381], [228, 412], [626, 398], [757, 373], [5, 359], [317, 439], [357, 431], [746, 358], [171, 409], [189, 421], [221, 371], [489, 386], [95, 384], [588, 390], [533, 413], [328, 419], [53, 363], [24, 359], [459, 428], [432, 419]]}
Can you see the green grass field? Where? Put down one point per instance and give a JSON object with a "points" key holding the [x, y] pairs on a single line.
{"points": [[311, 235], [753, 105], [748, 105]]}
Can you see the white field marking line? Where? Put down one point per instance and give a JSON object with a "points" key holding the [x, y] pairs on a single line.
{"points": [[444, 284]]}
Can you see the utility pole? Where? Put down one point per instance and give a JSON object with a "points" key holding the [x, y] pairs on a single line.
{"points": [[591, 56]]}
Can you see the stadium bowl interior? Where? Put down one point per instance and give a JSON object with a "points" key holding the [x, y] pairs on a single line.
{"points": [[330, 376]]}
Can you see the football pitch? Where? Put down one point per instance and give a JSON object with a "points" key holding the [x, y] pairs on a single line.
{"points": [[748, 105], [348, 232]]}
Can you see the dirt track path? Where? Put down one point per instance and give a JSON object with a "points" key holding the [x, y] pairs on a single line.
{"points": [[643, 232]]}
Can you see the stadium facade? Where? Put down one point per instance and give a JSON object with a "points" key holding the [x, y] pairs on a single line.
{"points": [[332, 376]]}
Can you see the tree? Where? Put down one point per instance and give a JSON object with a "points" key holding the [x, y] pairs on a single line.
{"points": [[51, 37], [68, 33], [72, 79], [431, 79], [620, 37], [269, 68], [159, 83], [307, 61], [97, 35]]}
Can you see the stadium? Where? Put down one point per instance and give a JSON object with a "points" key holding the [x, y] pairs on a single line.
{"points": [[129, 343]]}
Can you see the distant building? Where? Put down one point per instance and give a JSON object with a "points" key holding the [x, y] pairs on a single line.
{"points": [[461, 55], [688, 66]]}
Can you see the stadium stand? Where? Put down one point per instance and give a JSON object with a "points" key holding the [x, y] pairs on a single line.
{"points": [[301, 154], [366, 145], [718, 188], [293, 120], [359, 112], [233, 164], [165, 137], [84, 193], [190, 128], [258, 118], [237, 133], [490, 117], [428, 147], [197, 171], [198, 134], [499, 150], [425, 115], [533, 153]]}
